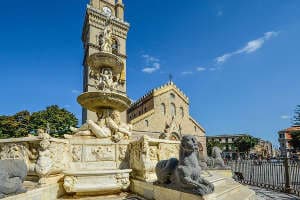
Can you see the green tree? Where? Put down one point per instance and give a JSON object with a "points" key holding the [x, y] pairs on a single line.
{"points": [[23, 123], [296, 118], [245, 143], [210, 144], [15, 126], [58, 119]]}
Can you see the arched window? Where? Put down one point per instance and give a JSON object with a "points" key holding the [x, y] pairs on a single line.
{"points": [[172, 96], [195, 127], [147, 123], [182, 112], [173, 109], [163, 108]]}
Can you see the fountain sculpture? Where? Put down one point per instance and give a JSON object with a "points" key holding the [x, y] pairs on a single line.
{"points": [[99, 147]]}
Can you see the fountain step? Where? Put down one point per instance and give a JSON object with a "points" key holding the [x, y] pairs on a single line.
{"points": [[225, 188]]}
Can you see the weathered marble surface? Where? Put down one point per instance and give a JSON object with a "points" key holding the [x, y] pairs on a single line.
{"points": [[12, 176], [99, 182], [49, 192], [225, 189], [98, 166], [146, 152], [43, 155]]}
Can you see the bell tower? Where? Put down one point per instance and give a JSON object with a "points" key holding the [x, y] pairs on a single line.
{"points": [[98, 12]]}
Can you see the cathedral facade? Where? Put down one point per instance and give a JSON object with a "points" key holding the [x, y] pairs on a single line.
{"points": [[164, 113]]}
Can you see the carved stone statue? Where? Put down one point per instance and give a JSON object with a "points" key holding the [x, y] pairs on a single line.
{"points": [[216, 161], [45, 162], [108, 125], [107, 82], [106, 40], [12, 176], [104, 80], [184, 174]]}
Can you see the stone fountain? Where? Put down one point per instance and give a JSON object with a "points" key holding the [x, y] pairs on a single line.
{"points": [[98, 158], [99, 148]]}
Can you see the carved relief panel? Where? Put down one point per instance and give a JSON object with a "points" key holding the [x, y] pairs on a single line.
{"points": [[99, 153]]}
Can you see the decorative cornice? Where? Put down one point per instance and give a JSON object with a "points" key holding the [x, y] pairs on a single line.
{"points": [[160, 90], [96, 18], [98, 47]]}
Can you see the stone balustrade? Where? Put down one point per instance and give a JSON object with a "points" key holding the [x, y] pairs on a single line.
{"points": [[44, 156]]}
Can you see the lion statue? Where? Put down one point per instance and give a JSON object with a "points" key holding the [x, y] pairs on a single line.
{"points": [[12, 176], [216, 161], [185, 173]]}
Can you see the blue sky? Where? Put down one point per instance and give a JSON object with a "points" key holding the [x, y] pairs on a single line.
{"points": [[237, 60]]}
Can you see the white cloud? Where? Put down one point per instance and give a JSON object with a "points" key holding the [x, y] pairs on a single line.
{"points": [[75, 91], [150, 59], [250, 47], [186, 73], [149, 70], [201, 69], [153, 64], [285, 117]]}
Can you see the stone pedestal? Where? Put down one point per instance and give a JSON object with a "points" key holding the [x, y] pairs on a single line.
{"points": [[225, 189], [99, 166]]}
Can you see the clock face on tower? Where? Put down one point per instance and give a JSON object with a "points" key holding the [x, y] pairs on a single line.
{"points": [[107, 11]]}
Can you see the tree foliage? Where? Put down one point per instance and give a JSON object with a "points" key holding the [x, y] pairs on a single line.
{"points": [[245, 143], [15, 126], [210, 144], [296, 118], [295, 141], [23, 123]]}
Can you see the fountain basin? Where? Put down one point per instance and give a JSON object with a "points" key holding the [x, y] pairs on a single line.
{"points": [[97, 101], [91, 182]]}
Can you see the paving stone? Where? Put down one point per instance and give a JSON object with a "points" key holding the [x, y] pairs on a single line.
{"points": [[265, 194]]}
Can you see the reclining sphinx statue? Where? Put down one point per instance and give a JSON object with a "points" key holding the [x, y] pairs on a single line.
{"points": [[184, 174]]}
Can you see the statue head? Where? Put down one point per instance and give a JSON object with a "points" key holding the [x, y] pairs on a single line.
{"points": [[115, 115], [44, 144], [189, 143]]}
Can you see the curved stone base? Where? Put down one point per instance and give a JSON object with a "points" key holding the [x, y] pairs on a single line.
{"points": [[93, 182]]}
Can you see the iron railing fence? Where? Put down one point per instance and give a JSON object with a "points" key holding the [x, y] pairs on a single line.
{"points": [[282, 175]]}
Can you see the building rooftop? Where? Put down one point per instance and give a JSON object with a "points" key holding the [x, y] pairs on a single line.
{"points": [[227, 135], [291, 129], [156, 91]]}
